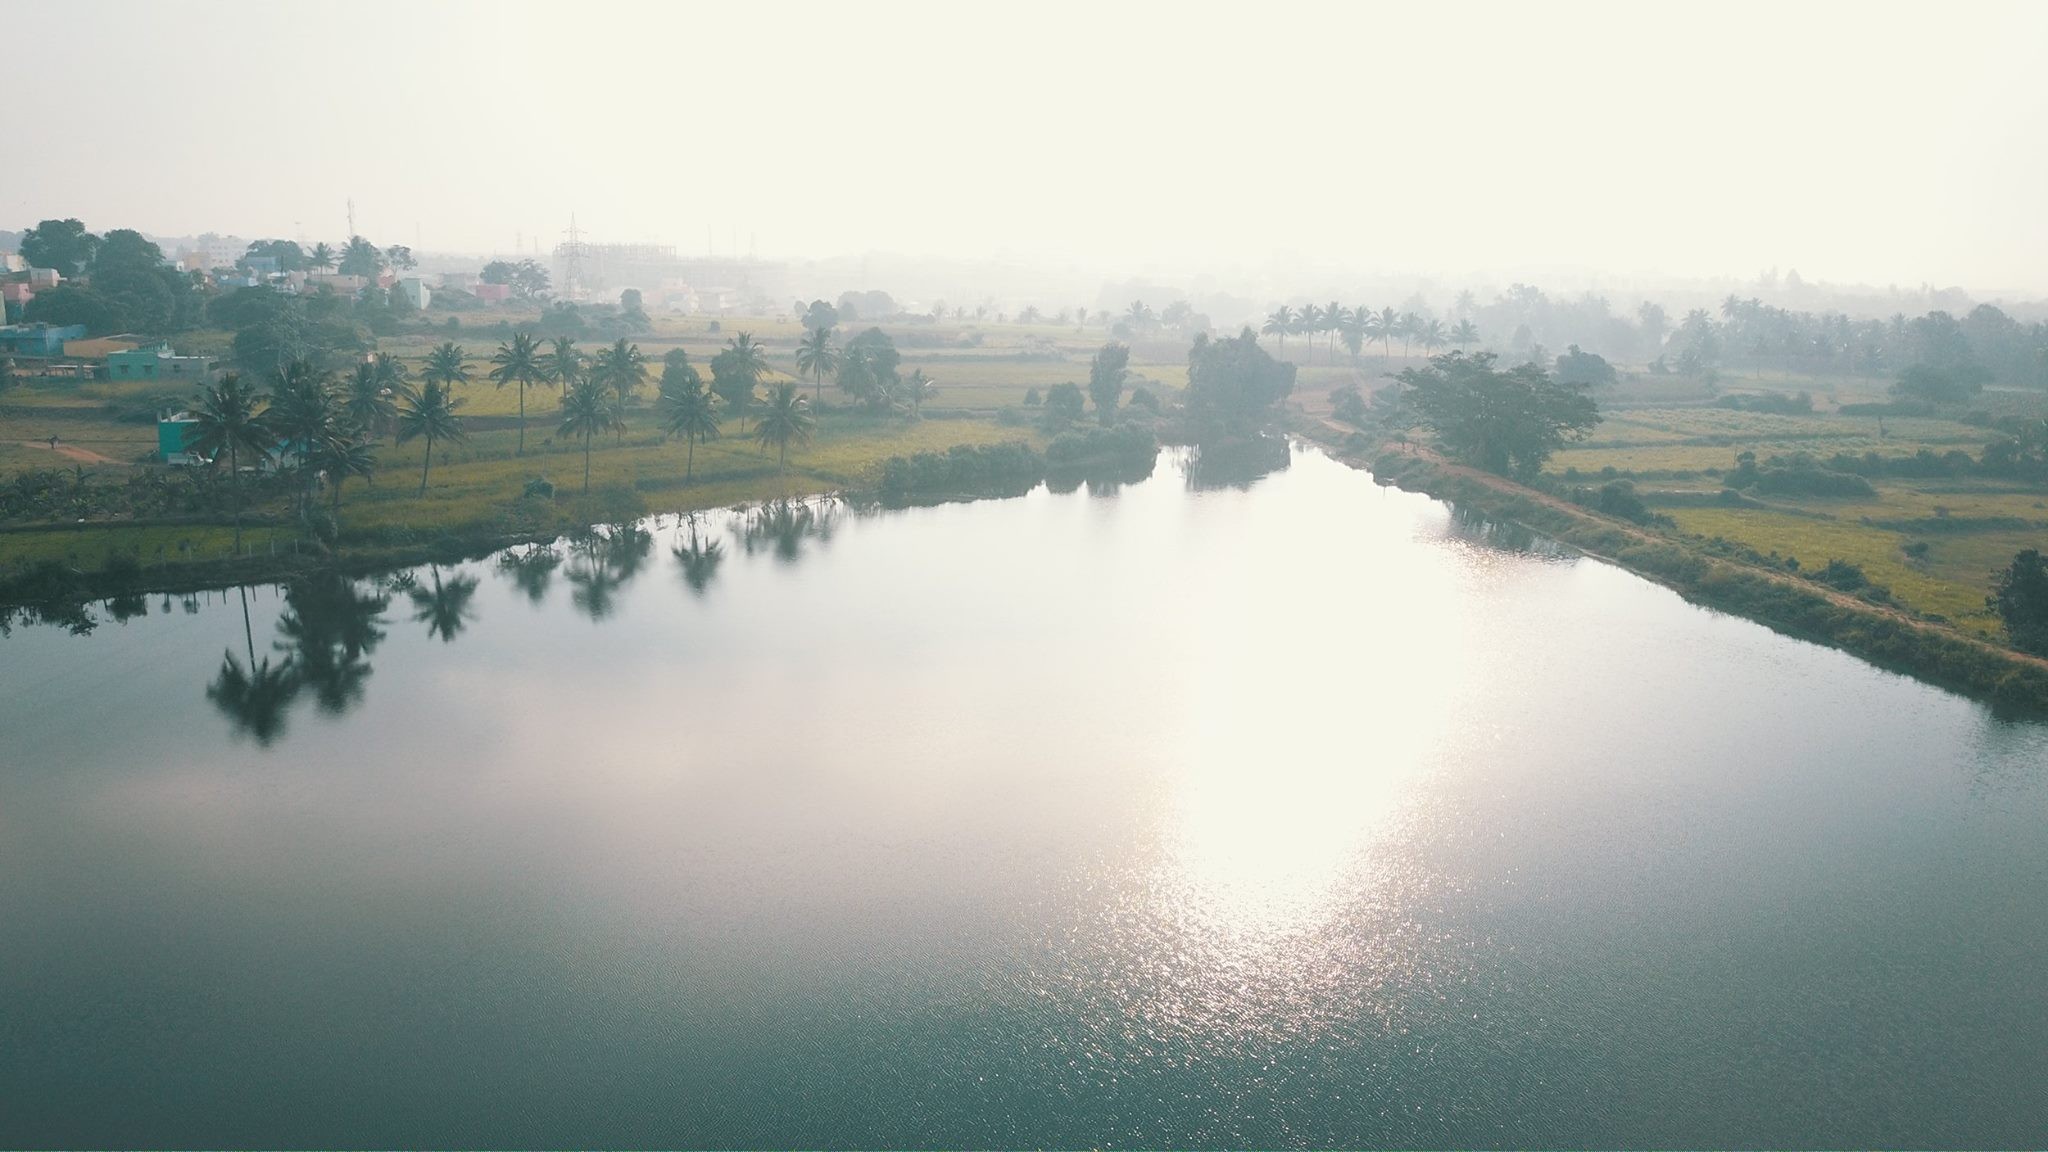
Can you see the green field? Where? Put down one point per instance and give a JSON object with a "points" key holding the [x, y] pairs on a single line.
{"points": [[1963, 528], [475, 487]]}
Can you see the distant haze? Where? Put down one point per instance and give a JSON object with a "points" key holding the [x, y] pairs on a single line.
{"points": [[1862, 142]]}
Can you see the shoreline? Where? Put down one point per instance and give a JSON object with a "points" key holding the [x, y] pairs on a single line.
{"points": [[1885, 637]]}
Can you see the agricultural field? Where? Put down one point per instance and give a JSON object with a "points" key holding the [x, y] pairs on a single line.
{"points": [[1934, 541], [107, 436]]}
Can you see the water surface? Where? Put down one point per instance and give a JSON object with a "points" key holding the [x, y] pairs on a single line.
{"points": [[1204, 810]]}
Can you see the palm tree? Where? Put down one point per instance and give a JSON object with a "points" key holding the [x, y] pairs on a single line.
{"points": [[1139, 316], [588, 408], [1334, 318], [321, 258], [369, 403], [1354, 330], [225, 417], [1411, 324], [1388, 326], [342, 458], [359, 257], [817, 357], [916, 389], [446, 365], [391, 371], [1430, 334], [306, 415], [622, 368], [561, 364], [785, 418], [1279, 324], [1463, 333], [518, 362], [749, 358], [689, 410], [430, 412], [1308, 322]]}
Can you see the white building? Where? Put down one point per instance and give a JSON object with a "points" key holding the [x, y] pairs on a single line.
{"points": [[212, 251]]}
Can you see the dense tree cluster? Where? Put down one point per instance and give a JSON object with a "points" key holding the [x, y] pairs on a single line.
{"points": [[1507, 422], [1233, 384]]}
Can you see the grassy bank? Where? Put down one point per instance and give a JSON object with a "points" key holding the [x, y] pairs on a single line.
{"points": [[1886, 636]]}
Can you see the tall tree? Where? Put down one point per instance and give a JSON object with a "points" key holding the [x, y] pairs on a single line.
{"points": [[2019, 595], [689, 411], [916, 389], [447, 365], [306, 415], [64, 245], [588, 408], [749, 357], [322, 257], [1386, 326], [1411, 326], [359, 257], [1233, 384], [785, 419], [1107, 372], [370, 403], [430, 412], [1308, 322], [622, 368], [342, 457], [1432, 336], [817, 357], [1506, 422], [227, 417], [1464, 333], [518, 362], [1279, 324], [562, 363]]}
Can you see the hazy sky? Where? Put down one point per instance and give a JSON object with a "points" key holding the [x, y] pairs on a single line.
{"points": [[1859, 142]]}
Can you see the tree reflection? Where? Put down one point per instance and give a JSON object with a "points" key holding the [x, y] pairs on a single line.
{"points": [[330, 626], [782, 526], [601, 563], [444, 608], [532, 569], [699, 560], [254, 701], [1238, 464]]}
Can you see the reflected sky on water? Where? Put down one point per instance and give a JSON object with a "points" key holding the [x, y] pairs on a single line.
{"points": [[1202, 808]]}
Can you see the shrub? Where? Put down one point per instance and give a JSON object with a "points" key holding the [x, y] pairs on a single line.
{"points": [[1842, 575]]}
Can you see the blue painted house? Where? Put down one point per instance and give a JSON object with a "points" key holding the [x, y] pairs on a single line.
{"points": [[38, 339]]}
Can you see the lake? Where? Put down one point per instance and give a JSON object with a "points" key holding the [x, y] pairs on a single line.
{"points": [[1210, 809]]}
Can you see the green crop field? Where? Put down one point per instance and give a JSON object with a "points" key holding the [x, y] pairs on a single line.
{"points": [[1961, 528]]}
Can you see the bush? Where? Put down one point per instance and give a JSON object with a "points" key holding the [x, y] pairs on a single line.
{"points": [[1842, 575], [961, 468], [1124, 443], [538, 487]]}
